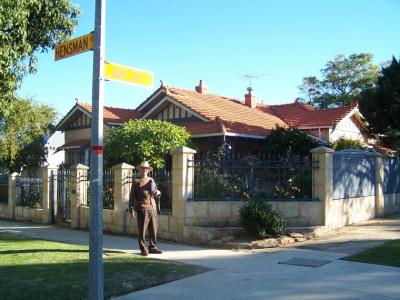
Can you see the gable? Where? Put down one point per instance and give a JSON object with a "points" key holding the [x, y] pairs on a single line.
{"points": [[170, 110], [79, 121]]}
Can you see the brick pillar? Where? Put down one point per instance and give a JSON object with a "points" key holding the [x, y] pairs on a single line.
{"points": [[182, 188], [78, 192], [323, 181], [46, 190], [379, 197], [12, 194], [122, 187]]}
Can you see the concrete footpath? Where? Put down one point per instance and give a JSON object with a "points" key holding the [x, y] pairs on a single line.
{"points": [[312, 270]]}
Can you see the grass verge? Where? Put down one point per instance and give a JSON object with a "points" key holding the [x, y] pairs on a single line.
{"points": [[39, 269], [387, 254]]}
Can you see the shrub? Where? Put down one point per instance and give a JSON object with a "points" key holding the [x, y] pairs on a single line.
{"points": [[260, 221], [346, 143]]}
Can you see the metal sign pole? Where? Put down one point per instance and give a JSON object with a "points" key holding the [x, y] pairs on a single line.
{"points": [[96, 273]]}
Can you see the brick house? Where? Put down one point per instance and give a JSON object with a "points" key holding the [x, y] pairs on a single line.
{"points": [[213, 120], [76, 125]]}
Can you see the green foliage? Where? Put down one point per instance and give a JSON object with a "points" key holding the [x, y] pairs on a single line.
{"points": [[343, 80], [286, 142], [139, 140], [32, 196], [22, 134], [345, 143], [28, 27], [260, 221], [381, 105]]}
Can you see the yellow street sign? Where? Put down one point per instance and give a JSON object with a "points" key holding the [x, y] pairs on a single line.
{"points": [[127, 75], [75, 46]]}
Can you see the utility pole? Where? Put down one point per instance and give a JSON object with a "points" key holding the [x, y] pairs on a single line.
{"points": [[96, 272]]}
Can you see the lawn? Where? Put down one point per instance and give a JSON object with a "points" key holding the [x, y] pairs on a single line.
{"points": [[387, 254], [39, 269]]}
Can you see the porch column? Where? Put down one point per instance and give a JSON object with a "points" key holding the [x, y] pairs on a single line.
{"points": [[323, 181], [46, 196], [12, 194], [122, 187], [182, 188], [80, 186]]}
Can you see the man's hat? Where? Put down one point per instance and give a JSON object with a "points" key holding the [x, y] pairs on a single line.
{"points": [[144, 165]]}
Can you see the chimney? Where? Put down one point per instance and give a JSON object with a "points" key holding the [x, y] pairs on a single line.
{"points": [[201, 88], [250, 98]]}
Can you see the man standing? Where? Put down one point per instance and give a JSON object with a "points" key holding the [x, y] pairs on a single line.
{"points": [[142, 203]]}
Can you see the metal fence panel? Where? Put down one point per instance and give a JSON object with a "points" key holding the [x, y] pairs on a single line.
{"points": [[64, 188], [272, 179], [353, 174], [29, 191], [163, 179], [391, 177], [3, 188]]}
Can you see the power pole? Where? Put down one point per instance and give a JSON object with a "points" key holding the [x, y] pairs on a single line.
{"points": [[96, 272]]}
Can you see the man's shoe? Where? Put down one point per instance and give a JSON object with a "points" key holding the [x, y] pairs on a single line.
{"points": [[144, 252], [155, 251]]}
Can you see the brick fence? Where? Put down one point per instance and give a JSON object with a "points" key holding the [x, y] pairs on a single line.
{"points": [[202, 221]]}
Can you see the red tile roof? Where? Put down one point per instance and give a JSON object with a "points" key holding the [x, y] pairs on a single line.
{"points": [[234, 115], [302, 115], [383, 150], [201, 127], [113, 114]]}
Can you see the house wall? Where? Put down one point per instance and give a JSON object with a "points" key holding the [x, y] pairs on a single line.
{"points": [[77, 134], [81, 134], [56, 140], [322, 133], [347, 128]]}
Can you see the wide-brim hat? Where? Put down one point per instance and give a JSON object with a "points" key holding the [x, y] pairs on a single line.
{"points": [[144, 165]]}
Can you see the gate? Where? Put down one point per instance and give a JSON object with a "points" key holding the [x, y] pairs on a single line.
{"points": [[63, 183], [3, 188]]}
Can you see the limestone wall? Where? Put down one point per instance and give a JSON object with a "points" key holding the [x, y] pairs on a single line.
{"points": [[4, 210]]}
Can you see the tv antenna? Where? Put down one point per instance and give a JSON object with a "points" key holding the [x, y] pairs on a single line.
{"points": [[250, 77]]}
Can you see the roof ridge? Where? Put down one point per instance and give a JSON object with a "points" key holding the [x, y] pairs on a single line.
{"points": [[209, 94]]}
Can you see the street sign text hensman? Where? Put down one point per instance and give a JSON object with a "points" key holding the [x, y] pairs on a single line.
{"points": [[75, 46]]}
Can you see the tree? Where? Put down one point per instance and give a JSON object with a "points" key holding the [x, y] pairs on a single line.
{"points": [[28, 27], [22, 134], [346, 143], [288, 142], [138, 140], [381, 105], [343, 80]]}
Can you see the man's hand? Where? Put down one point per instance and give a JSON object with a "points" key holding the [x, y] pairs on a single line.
{"points": [[132, 214]]}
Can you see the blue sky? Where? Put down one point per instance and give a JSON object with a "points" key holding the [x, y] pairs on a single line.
{"points": [[183, 41]]}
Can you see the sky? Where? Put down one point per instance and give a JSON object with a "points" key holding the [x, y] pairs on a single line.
{"points": [[218, 41]]}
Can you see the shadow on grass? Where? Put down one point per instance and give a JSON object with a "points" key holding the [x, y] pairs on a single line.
{"points": [[123, 274]]}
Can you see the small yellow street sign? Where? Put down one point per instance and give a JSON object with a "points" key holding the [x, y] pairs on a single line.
{"points": [[75, 46], [127, 75]]}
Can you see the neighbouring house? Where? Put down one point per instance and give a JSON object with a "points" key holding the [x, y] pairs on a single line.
{"points": [[76, 126], [325, 124], [55, 156], [214, 120]]}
